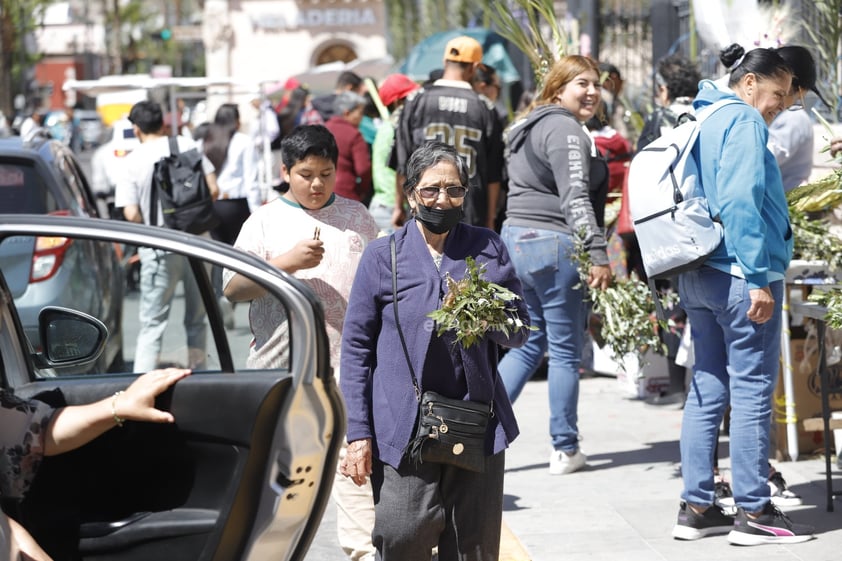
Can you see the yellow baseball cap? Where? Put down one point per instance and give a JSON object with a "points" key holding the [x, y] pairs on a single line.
{"points": [[463, 49]]}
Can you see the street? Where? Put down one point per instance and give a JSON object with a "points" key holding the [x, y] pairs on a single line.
{"points": [[623, 505]]}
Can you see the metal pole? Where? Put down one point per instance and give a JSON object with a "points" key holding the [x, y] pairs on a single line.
{"points": [[174, 124], [791, 418], [694, 48]]}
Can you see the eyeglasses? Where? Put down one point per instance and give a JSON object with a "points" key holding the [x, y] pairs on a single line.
{"points": [[453, 191]]}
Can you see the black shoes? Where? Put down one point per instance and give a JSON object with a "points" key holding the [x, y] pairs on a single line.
{"points": [[692, 526], [772, 526]]}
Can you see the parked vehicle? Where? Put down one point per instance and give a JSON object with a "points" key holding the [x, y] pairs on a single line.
{"points": [[91, 128], [245, 471], [43, 177]]}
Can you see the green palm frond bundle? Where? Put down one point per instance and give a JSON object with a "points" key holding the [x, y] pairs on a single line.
{"points": [[473, 306], [629, 323], [808, 213], [808, 205], [818, 196], [813, 240], [832, 300], [542, 40]]}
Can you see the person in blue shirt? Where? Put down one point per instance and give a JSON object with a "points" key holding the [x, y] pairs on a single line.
{"points": [[733, 303]]}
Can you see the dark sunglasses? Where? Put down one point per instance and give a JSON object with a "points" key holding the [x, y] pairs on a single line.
{"points": [[454, 191]]}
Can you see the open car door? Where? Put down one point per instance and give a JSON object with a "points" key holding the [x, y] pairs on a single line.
{"points": [[244, 472]]}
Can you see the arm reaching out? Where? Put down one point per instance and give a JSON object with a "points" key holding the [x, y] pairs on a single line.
{"points": [[76, 425]]}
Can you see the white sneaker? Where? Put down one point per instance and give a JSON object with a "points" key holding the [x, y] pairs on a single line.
{"points": [[781, 496], [562, 463]]}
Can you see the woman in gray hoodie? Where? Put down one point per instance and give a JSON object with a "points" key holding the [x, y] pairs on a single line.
{"points": [[557, 188]]}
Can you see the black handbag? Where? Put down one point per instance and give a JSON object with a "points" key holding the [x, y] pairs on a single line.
{"points": [[447, 431]]}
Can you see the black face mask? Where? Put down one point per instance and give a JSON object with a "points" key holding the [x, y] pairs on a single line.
{"points": [[438, 220]]}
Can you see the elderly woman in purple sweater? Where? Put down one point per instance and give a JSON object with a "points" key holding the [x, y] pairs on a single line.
{"points": [[422, 506]]}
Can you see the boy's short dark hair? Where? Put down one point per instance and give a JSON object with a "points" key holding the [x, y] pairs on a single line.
{"points": [[148, 116], [308, 140]]}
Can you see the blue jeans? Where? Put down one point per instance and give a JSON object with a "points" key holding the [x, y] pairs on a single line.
{"points": [[556, 308], [736, 363], [160, 273]]}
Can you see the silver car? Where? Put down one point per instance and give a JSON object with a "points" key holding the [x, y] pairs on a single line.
{"points": [[245, 471]]}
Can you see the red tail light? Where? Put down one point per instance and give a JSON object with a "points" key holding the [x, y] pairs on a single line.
{"points": [[49, 254]]}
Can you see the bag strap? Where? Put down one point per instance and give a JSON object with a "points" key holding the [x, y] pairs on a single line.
{"points": [[153, 205], [153, 191], [706, 112], [393, 252], [153, 199]]}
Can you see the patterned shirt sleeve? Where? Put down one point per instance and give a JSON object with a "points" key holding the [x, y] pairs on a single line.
{"points": [[24, 426]]}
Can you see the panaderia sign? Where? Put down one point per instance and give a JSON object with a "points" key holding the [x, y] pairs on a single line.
{"points": [[321, 16]]}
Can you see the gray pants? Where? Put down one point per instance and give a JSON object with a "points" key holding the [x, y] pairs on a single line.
{"points": [[419, 508]]}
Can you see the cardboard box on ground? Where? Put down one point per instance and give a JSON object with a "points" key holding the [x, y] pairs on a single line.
{"points": [[806, 389]]}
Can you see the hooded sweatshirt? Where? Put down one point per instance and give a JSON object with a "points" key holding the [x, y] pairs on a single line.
{"points": [[557, 180], [742, 183]]}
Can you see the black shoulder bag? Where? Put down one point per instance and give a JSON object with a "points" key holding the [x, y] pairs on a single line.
{"points": [[448, 431]]}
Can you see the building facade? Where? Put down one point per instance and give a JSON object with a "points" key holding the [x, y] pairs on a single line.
{"points": [[270, 41]]}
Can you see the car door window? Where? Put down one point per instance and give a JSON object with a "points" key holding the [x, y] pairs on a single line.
{"points": [[160, 308]]}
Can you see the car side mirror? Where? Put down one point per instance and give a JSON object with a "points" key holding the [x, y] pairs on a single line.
{"points": [[69, 338]]}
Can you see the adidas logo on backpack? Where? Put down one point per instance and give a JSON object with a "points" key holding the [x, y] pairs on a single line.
{"points": [[670, 213]]}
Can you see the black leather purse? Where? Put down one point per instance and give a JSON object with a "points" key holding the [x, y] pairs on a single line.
{"points": [[447, 430]]}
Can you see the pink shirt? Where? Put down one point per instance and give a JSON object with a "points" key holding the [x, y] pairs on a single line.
{"points": [[273, 229]]}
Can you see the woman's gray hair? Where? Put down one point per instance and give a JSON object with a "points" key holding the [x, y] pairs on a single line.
{"points": [[347, 101], [428, 155]]}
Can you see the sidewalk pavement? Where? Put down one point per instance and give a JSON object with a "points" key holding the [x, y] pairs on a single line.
{"points": [[623, 505]]}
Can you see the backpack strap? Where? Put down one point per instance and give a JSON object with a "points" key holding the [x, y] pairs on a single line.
{"points": [[153, 191], [714, 107], [173, 146]]}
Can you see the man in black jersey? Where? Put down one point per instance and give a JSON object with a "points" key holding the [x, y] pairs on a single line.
{"points": [[450, 111]]}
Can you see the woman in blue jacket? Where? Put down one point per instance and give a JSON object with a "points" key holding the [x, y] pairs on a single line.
{"points": [[733, 304], [419, 507]]}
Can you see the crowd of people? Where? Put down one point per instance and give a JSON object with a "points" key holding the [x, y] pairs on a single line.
{"points": [[450, 177]]}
